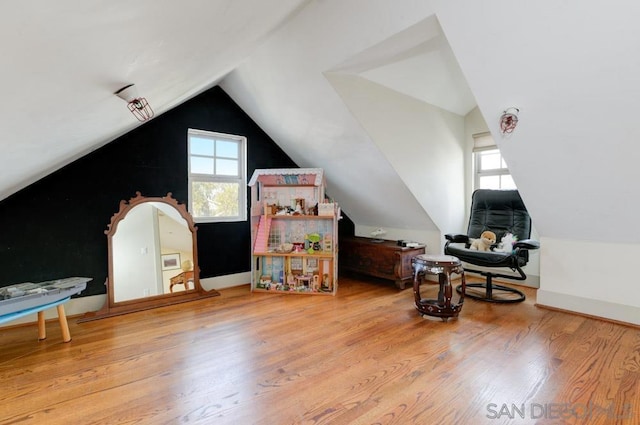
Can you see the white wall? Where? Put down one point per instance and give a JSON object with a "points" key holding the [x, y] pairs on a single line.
{"points": [[474, 123], [136, 254], [593, 278], [431, 238], [423, 144]]}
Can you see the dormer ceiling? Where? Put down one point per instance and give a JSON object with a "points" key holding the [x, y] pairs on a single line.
{"points": [[417, 62]]}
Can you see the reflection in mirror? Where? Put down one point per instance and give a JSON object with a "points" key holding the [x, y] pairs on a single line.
{"points": [[153, 259], [150, 247]]}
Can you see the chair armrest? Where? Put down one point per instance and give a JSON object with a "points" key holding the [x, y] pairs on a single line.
{"points": [[456, 238], [527, 244]]}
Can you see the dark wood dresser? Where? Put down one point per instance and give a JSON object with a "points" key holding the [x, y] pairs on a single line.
{"points": [[384, 259]]}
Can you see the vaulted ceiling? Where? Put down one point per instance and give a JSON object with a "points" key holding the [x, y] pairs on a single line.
{"points": [[375, 92]]}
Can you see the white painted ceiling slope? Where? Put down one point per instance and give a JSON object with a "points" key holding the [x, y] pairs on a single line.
{"points": [[304, 71], [62, 61]]}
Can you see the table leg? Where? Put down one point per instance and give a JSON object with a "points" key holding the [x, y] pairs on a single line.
{"points": [[463, 287], [42, 328], [417, 277], [448, 293], [442, 289], [64, 326]]}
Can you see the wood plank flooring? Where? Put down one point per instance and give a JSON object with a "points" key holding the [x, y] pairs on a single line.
{"points": [[364, 356]]}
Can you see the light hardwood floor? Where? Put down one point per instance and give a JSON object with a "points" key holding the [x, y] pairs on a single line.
{"points": [[364, 356]]}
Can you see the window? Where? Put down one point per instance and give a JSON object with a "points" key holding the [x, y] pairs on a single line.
{"points": [[491, 171], [217, 176]]}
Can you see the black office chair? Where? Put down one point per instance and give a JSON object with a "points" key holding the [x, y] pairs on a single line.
{"points": [[502, 212]]}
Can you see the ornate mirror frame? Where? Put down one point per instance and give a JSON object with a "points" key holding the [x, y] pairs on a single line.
{"points": [[113, 307]]}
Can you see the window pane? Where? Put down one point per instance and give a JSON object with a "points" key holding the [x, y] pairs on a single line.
{"points": [[217, 180], [227, 167], [490, 161], [490, 182], [227, 149], [507, 182], [201, 146], [210, 199], [201, 165]]}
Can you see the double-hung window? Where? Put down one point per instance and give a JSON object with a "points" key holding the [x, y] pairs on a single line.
{"points": [[217, 176], [491, 171]]}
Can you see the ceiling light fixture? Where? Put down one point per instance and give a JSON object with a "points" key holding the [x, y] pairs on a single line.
{"points": [[509, 120], [136, 104]]}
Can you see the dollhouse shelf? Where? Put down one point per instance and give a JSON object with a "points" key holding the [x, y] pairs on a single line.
{"points": [[288, 208]]}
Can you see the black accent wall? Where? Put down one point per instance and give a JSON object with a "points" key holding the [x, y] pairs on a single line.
{"points": [[55, 227]]}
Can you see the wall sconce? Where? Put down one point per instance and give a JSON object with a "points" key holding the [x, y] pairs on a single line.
{"points": [[509, 120], [136, 104]]}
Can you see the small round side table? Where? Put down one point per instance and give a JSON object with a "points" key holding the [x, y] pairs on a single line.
{"points": [[443, 266]]}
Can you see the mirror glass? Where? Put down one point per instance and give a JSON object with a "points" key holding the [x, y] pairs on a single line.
{"points": [[152, 252]]}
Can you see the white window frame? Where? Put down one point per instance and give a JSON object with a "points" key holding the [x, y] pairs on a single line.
{"points": [[240, 179], [482, 143]]}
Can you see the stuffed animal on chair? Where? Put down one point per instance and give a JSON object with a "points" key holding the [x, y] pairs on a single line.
{"points": [[487, 238]]}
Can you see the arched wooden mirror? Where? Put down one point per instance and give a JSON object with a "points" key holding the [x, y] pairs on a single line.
{"points": [[153, 257]]}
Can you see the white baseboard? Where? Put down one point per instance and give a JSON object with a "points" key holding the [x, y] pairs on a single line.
{"points": [[227, 281], [588, 306]]}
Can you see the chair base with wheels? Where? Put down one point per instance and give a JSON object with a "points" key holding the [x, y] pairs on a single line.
{"points": [[492, 292]]}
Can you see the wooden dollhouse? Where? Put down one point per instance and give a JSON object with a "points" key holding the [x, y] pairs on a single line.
{"points": [[294, 232]]}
